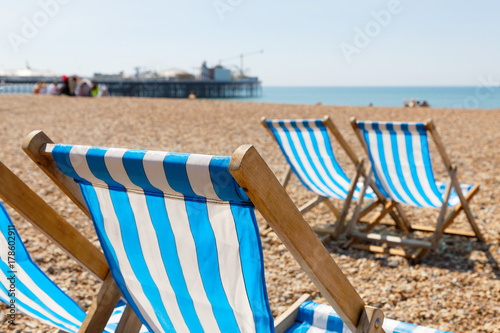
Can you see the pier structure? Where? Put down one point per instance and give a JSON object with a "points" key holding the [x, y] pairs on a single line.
{"points": [[165, 88]]}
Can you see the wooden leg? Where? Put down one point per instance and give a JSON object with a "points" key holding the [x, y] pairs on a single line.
{"points": [[286, 177], [311, 204], [287, 318], [440, 222], [102, 307], [347, 202], [129, 322]]}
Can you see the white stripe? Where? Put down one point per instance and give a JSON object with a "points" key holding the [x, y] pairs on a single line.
{"points": [[389, 325], [113, 231], [46, 299], [330, 167], [423, 177], [321, 315], [154, 261], [153, 167], [286, 145], [114, 163], [186, 249], [405, 169], [79, 162], [197, 168], [28, 312], [47, 302], [373, 148], [391, 167], [317, 133], [223, 225], [307, 165]]}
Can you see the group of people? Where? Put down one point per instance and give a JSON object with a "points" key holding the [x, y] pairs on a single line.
{"points": [[415, 103], [71, 86]]}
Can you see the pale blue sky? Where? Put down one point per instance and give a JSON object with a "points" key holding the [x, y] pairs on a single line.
{"points": [[421, 42]]}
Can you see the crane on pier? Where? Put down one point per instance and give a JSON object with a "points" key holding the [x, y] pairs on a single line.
{"points": [[241, 56]]}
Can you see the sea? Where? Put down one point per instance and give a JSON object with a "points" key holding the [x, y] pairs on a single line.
{"points": [[480, 97], [473, 97]]}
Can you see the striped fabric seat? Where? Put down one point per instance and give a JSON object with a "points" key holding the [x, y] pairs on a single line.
{"points": [[307, 148], [399, 153], [26, 287], [179, 234], [319, 318]]}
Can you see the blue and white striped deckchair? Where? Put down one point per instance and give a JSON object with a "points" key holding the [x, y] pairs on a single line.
{"points": [[319, 318], [181, 239], [308, 150], [401, 164], [26, 289]]}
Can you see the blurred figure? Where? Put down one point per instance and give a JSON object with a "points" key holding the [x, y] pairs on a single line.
{"points": [[43, 88], [36, 88], [104, 91], [83, 88], [65, 90], [94, 91], [53, 89], [192, 95]]}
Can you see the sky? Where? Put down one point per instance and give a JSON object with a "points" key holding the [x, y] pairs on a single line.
{"points": [[304, 43]]}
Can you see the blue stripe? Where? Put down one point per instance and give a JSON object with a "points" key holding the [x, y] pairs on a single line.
{"points": [[225, 185], [405, 328], [175, 171], [132, 245], [61, 157], [380, 185], [397, 163], [251, 265], [413, 168], [300, 136], [94, 207], [23, 259], [428, 166], [297, 159], [97, 165], [208, 264], [166, 241], [329, 151]]}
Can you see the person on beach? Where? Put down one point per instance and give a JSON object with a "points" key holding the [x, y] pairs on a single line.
{"points": [[65, 88], [94, 91], [192, 95], [52, 89]]}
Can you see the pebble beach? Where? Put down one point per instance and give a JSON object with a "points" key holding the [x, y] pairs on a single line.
{"points": [[454, 288]]}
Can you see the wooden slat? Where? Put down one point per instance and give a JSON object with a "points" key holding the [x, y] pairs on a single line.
{"points": [[269, 197], [393, 240], [449, 231], [340, 138], [102, 307], [34, 209], [311, 204], [287, 318], [382, 249], [37, 145], [129, 322]]}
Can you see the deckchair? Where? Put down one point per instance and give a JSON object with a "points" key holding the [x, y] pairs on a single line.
{"points": [[401, 165], [308, 150], [24, 287], [180, 235]]}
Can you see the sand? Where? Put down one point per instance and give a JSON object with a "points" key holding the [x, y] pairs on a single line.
{"points": [[454, 288]]}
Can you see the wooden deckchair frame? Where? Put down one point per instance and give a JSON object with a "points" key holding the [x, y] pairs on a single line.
{"points": [[443, 221], [270, 198], [334, 231], [34, 209]]}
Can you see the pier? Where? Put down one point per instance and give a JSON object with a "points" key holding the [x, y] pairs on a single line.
{"points": [[163, 88]]}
